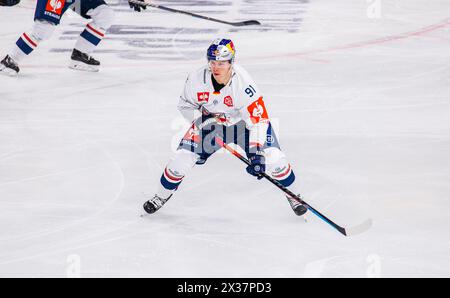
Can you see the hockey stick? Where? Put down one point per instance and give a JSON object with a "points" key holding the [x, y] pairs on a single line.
{"points": [[345, 231], [237, 24]]}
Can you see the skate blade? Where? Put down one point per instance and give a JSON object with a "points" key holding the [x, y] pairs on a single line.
{"points": [[76, 65], [8, 72]]}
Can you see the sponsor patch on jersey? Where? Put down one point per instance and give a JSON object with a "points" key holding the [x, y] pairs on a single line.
{"points": [[257, 111], [202, 96], [228, 101], [55, 6]]}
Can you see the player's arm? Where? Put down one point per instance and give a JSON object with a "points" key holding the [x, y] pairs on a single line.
{"points": [[188, 105], [255, 115]]}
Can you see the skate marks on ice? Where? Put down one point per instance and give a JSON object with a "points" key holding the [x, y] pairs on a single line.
{"points": [[225, 231], [246, 235], [112, 222], [77, 221]]}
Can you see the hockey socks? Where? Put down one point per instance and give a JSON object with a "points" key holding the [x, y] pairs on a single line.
{"points": [[91, 36], [23, 47]]}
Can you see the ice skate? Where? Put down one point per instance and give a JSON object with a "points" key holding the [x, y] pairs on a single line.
{"points": [[9, 67], [154, 204], [83, 62]]}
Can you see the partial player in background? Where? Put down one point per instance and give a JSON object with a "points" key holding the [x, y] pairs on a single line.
{"points": [[47, 16], [9, 2], [221, 100]]}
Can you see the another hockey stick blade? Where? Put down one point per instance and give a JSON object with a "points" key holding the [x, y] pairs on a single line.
{"points": [[237, 24], [246, 23]]}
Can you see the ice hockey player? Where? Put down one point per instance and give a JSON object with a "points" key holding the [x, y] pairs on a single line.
{"points": [[221, 100], [47, 16]]}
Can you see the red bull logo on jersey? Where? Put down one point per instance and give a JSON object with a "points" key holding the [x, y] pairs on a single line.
{"points": [[202, 96], [258, 111], [228, 101]]}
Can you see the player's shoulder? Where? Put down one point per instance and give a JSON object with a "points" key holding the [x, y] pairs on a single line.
{"points": [[241, 72], [199, 75], [241, 77]]}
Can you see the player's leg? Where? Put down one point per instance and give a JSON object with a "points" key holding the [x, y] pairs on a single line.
{"points": [[102, 17], [278, 167], [196, 147], [177, 168], [47, 16]]}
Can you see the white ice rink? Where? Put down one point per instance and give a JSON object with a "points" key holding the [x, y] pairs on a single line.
{"points": [[359, 91]]}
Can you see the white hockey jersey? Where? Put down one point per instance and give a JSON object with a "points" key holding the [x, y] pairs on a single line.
{"points": [[239, 100]]}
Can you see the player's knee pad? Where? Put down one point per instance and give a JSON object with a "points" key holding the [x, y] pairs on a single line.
{"points": [[278, 167], [42, 30], [177, 168], [102, 16]]}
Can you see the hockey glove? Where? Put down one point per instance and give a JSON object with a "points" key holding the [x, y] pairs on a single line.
{"points": [[137, 7], [257, 164], [9, 2], [220, 117]]}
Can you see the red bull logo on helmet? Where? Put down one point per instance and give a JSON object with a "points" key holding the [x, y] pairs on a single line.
{"points": [[221, 50]]}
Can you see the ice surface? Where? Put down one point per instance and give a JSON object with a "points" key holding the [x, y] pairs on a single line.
{"points": [[359, 92]]}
